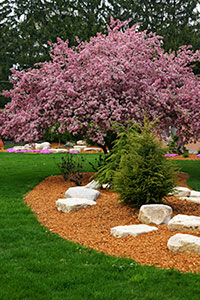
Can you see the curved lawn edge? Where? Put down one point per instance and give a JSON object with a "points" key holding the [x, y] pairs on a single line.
{"points": [[36, 264]]}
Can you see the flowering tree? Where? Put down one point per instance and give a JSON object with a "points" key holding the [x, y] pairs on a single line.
{"points": [[112, 78]]}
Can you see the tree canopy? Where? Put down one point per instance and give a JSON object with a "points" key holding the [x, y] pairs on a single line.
{"points": [[177, 21], [115, 77], [27, 26]]}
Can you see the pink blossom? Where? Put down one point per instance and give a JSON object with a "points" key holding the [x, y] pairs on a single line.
{"points": [[171, 154], [45, 151], [116, 77], [71, 151], [12, 150]]}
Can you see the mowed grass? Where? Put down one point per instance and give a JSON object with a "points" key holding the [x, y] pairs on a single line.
{"points": [[36, 264], [191, 167]]}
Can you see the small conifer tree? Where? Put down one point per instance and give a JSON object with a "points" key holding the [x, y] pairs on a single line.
{"points": [[120, 147], [144, 175]]}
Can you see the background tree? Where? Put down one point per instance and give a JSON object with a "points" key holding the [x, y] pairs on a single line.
{"points": [[177, 21], [112, 78], [27, 26], [7, 45], [30, 24]]}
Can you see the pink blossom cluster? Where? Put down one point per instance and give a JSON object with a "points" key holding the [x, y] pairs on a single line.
{"points": [[73, 151], [117, 77], [198, 155], [168, 154], [12, 150]]}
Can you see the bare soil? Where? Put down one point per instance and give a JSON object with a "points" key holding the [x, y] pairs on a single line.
{"points": [[91, 226]]}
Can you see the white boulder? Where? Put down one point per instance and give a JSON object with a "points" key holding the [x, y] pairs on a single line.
{"points": [[191, 199], [181, 191], [184, 223], [77, 147], [92, 149], [38, 146], [155, 214], [133, 230], [46, 145], [81, 143], [82, 192], [72, 204], [184, 243], [93, 185], [106, 186], [59, 150], [42, 146], [28, 147], [18, 148], [195, 194]]}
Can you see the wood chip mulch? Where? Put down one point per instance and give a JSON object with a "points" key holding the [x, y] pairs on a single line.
{"points": [[91, 226], [190, 157]]}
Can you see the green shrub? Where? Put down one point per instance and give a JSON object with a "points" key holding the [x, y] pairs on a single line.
{"points": [[144, 175], [186, 153], [198, 152], [98, 162], [72, 169], [173, 148], [105, 172]]}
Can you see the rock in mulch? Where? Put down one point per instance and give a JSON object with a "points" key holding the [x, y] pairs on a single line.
{"points": [[82, 192], [81, 143], [72, 204], [79, 148], [61, 150], [42, 146], [107, 186], [185, 243], [133, 230], [181, 191], [92, 149], [195, 194], [186, 194], [155, 214], [93, 185], [67, 145], [184, 223], [191, 199]]}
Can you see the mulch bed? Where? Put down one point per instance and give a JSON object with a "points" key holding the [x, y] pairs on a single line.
{"points": [[91, 226], [180, 157]]}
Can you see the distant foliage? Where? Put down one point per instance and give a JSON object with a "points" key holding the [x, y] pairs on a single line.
{"points": [[52, 134], [175, 147]]}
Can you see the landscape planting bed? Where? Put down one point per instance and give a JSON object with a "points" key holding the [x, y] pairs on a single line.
{"points": [[190, 157], [91, 226]]}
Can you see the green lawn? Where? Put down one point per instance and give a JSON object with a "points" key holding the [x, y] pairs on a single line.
{"points": [[192, 167], [35, 264]]}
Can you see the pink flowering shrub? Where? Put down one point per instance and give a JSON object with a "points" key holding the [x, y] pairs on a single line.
{"points": [[168, 154], [12, 150], [116, 77]]}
